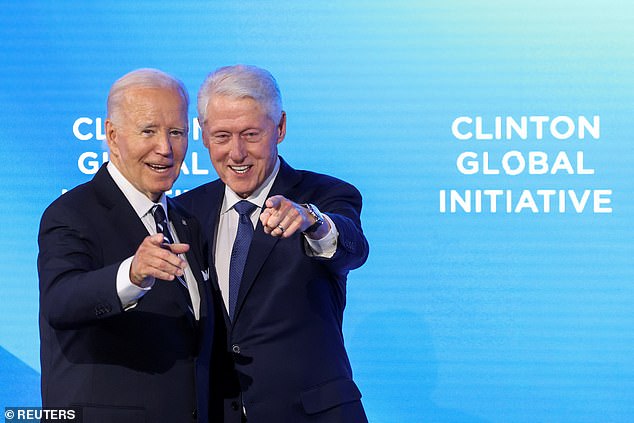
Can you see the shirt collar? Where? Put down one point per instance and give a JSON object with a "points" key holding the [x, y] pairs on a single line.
{"points": [[258, 197], [139, 202]]}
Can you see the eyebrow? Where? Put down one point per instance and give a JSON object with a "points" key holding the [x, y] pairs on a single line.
{"points": [[145, 125]]}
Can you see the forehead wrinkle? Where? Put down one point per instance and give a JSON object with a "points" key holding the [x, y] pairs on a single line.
{"points": [[235, 115], [142, 107]]}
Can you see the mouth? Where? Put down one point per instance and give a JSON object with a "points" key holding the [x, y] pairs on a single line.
{"points": [[241, 169], [160, 168]]}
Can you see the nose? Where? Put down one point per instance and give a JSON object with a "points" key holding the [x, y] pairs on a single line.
{"points": [[238, 151], [163, 144]]}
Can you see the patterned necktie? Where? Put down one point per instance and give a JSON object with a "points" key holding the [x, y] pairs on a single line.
{"points": [[240, 251], [162, 227]]}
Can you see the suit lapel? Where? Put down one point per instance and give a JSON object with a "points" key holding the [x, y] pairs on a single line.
{"points": [[215, 197], [182, 225], [262, 244], [119, 210], [212, 198]]}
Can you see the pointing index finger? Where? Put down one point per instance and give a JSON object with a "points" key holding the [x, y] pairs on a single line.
{"points": [[274, 202]]}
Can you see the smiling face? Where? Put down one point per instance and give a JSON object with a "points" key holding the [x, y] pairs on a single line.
{"points": [[148, 140], [242, 141]]}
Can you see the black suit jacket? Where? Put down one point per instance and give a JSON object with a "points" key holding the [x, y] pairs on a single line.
{"points": [[285, 358], [118, 366]]}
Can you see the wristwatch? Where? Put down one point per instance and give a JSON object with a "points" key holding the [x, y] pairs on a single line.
{"points": [[314, 212]]}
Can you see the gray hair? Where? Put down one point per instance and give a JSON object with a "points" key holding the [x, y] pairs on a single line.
{"points": [[141, 78], [242, 81]]}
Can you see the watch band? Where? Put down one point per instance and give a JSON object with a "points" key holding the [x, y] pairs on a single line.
{"points": [[314, 212]]}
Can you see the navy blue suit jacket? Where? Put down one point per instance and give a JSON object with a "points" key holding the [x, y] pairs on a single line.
{"points": [[118, 366], [285, 358]]}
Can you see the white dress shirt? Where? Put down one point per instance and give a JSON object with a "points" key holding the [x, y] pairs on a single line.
{"points": [[228, 228], [128, 292]]}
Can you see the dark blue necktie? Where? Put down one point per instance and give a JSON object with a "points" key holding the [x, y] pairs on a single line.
{"points": [[162, 227], [240, 251]]}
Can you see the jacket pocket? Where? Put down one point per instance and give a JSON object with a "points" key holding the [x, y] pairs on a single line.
{"points": [[329, 395]]}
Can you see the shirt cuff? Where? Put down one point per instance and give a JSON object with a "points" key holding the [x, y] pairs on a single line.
{"points": [[325, 247], [128, 292]]}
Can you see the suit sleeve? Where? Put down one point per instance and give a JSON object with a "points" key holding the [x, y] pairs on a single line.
{"points": [[75, 287], [342, 203]]}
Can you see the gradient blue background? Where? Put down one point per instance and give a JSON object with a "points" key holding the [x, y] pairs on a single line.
{"points": [[455, 317]]}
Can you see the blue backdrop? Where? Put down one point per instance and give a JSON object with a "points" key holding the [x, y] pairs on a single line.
{"points": [[524, 314]]}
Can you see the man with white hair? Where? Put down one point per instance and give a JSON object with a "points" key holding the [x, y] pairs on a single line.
{"points": [[282, 242], [126, 320]]}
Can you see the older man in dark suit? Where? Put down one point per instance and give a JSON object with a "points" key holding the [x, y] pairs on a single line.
{"points": [[282, 242], [125, 312]]}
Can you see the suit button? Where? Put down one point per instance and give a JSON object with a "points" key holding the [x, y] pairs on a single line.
{"points": [[234, 405], [235, 349], [195, 414]]}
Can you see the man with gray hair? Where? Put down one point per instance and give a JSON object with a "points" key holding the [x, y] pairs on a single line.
{"points": [[126, 319], [282, 242]]}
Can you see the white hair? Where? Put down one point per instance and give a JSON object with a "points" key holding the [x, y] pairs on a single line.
{"points": [[242, 81], [141, 78]]}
